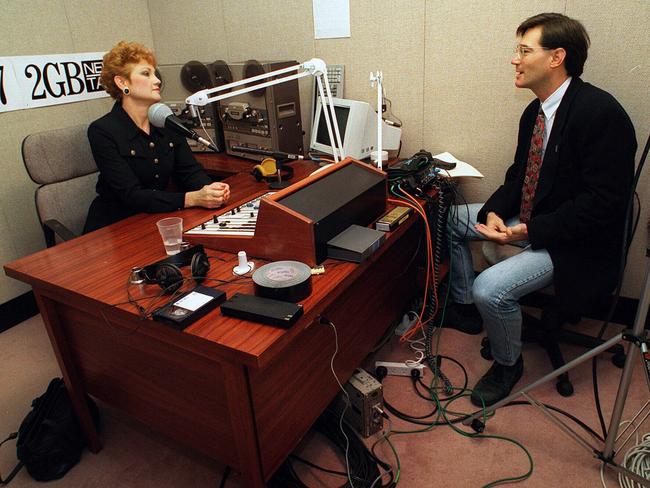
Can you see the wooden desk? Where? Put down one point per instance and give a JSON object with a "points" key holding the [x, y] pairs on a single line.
{"points": [[240, 392], [223, 165]]}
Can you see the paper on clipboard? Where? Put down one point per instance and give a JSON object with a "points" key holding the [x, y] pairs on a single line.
{"points": [[462, 168]]}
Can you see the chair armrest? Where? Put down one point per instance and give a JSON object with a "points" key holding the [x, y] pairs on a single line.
{"points": [[53, 226]]}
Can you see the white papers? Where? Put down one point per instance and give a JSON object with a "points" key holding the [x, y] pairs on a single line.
{"points": [[331, 18], [462, 168]]}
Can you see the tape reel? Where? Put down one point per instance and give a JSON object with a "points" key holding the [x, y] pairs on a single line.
{"points": [[254, 68], [221, 74], [289, 281], [195, 76]]}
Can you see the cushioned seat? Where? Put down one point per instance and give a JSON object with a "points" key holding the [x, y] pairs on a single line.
{"points": [[61, 162]]}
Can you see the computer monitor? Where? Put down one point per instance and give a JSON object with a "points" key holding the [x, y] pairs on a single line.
{"points": [[357, 123]]}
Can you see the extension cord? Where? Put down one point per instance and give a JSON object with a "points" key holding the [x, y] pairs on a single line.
{"points": [[406, 324], [400, 369]]}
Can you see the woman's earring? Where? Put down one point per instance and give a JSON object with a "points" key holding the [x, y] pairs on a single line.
{"points": [[126, 90]]}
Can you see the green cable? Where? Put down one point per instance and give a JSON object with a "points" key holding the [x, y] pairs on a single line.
{"points": [[444, 411], [399, 466], [386, 437], [477, 435]]}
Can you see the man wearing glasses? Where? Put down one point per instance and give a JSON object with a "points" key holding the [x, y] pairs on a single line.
{"points": [[563, 201]]}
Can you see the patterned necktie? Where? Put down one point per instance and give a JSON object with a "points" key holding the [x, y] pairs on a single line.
{"points": [[532, 168]]}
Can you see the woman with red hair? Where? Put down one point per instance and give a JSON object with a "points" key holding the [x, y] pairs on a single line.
{"points": [[136, 160]]}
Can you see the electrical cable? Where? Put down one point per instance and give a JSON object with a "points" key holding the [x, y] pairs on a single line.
{"points": [[441, 223], [465, 378], [363, 462], [431, 306], [628, 236], [325, 321], [224, 477], [302, 460], [415, 207], [362, 469], [389, 471], [579, 422], [205, 130], [637, 460], [147, 312], [477, 435], [386, 436]]}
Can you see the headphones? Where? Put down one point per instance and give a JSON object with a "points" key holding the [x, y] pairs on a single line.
{"points": [[167, 273], [268, 169]]}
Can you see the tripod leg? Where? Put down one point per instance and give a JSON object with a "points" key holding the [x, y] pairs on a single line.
{"points": [[626, 377]]}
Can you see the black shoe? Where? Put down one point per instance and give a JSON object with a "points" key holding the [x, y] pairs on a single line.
{"points": [[462, 317], [497, 383]]}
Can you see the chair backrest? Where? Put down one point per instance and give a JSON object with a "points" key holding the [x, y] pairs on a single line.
{"points": [[60, 160]]}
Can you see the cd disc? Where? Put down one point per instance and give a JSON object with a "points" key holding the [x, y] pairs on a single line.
{"points": [[289, 281]]}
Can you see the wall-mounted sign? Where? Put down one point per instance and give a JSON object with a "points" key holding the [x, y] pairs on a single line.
{"points": [[52, 79]]}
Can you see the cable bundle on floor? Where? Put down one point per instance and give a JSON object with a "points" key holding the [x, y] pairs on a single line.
{"points": [[364, 466], [637, 460]]}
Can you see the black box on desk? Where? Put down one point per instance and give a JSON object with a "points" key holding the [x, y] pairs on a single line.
{"points": [[355, 243], [262, 310], [190, 307]]}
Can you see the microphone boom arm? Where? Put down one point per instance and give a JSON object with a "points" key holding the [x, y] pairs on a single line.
{"points": [[314, 67]]}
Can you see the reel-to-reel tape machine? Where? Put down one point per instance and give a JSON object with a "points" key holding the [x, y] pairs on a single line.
{"points": [[268, 118]]}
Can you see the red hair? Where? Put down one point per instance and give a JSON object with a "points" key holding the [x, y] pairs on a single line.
{"points": [[118, 62]]}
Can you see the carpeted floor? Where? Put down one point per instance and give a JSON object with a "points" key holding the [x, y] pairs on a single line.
{"points": [[134, 456]]}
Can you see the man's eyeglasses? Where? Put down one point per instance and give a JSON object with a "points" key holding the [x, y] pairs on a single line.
{"points": [[523, 51]]}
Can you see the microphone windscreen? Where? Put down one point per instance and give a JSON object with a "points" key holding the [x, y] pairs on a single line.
{"points": [[157, 114]]}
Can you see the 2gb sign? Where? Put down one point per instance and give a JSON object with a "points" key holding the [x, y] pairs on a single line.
{"points": [[37, 81]]}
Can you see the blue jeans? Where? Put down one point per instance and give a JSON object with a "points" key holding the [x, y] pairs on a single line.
{"points": [[497, 290]]}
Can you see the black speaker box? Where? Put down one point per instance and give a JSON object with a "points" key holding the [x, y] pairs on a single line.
{"points": [[351, 195]]}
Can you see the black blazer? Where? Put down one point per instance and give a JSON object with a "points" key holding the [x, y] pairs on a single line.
{"points": [[135, 169], [584, 184]]}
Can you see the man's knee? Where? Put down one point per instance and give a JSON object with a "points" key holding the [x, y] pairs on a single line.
{"points": [[486, 291]]}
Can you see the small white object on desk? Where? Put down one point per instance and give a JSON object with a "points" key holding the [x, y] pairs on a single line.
{"points": [[462, 168], [244, 266]]}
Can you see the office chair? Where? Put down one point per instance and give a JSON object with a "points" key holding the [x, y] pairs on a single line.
{"points": [[60, 161]]}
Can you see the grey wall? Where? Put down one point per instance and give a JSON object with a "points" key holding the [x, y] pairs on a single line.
{"points": [[446, 66]]}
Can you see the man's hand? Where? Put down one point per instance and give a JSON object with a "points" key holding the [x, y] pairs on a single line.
{"points": [[495, 223], [210, 196], [495, 230]]}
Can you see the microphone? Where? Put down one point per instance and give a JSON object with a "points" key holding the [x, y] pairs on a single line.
{"points": [[160, 115]]}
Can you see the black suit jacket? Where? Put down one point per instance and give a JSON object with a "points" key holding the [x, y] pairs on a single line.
{"points": [[584, 184], [135, 169]]}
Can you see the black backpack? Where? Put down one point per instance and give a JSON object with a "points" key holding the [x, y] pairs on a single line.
{"points": [[50, 440]]}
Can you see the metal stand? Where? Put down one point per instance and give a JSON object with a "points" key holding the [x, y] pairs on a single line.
{"points": [[607, 452]]}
